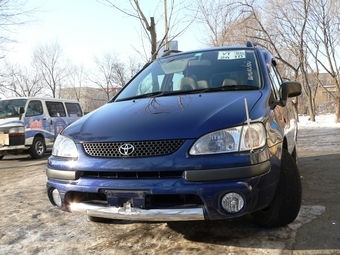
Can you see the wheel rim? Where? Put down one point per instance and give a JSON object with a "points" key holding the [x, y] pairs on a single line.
{"points": [[39, 148]]}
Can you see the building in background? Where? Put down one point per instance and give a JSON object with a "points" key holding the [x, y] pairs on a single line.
{"points": [[323, 91]]}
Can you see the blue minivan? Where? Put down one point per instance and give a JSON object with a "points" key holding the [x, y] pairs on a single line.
{"points": [[202, 135]]}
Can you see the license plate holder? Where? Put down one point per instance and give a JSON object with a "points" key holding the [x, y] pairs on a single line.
{"points": [[120, 197]]}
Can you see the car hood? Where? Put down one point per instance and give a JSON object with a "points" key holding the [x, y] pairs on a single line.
{"points": [[159, 118], [8, 122]]}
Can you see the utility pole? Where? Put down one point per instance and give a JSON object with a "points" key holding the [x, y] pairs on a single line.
{"points": [[166, 43]]}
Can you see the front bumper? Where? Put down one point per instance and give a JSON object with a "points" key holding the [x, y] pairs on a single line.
{"points": [[15, 150], [190, 176], [130, 213], [12, 137], [129, 199]]}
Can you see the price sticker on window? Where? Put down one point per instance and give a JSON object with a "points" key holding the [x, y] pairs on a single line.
{"points": [[229, 55]]}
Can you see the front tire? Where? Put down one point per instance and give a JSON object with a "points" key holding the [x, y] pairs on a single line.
{"points": [[287, 201], [38, 148]]}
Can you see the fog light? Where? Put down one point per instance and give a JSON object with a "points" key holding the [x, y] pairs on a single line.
{"points": [[232, 202], [56, 197]]}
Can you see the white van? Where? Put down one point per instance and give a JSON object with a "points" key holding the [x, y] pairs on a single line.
{"points": [[31, 124]]}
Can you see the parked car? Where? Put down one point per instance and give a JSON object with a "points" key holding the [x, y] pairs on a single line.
{"points": [[31, 124], [200, 135]]}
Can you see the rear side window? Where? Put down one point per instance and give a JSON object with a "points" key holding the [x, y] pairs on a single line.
{"points": [[34, 108], [73, 110], [55, 109]]}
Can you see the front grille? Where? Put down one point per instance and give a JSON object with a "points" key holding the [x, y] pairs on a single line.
{"points": [[132, 149]]}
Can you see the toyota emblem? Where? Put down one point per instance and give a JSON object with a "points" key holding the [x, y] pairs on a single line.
{"points": [[126, 149]]}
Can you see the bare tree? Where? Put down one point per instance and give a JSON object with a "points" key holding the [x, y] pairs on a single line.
{"points": [[224, 21], [170, 17], [76, 82], [324, 43], [18, 81], [53, 67], [307, 31], [133, 66], [13, 14], [290, 20], [119, 74], [110, 74]]}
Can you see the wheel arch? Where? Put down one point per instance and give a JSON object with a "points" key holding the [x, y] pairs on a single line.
{"points": [[293, 151]]}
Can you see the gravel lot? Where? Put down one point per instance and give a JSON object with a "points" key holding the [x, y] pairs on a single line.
{"points": [[30, 225]]}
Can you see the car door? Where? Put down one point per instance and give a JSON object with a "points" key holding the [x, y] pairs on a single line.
{"points": [[57, 116]]}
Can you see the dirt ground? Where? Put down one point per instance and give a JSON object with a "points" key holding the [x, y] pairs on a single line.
{"points": [[30, 225]]}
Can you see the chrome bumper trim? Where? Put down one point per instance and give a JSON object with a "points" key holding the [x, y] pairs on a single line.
{"points": [[130, 213]]}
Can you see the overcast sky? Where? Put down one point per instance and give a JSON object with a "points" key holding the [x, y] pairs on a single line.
{"points": [[86, 28]]}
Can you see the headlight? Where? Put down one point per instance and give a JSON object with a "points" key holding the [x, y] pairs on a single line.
{"points": [[16, 130], [242, 138], [64, 147]]}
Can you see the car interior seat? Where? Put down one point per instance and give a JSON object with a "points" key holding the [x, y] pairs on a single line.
{"points": [[188, 83], [202, 84], [229, 82]]}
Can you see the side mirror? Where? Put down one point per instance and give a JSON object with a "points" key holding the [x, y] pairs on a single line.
{"points": [[289, 89], [21, 110]]}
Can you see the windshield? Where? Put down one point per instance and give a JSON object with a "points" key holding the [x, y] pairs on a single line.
{"points": [[220, 69], [11, 107]]}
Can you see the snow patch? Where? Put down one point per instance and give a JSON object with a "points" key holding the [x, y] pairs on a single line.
{"points": [[327, 120]]}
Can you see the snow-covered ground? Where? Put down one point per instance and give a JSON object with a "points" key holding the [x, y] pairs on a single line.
{"points": [[326, 120], [321, 136]]}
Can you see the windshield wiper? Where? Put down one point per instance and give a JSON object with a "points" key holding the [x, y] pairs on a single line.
{"points": [[231, 87], [162, 93], [152, 94], [194, 91]]}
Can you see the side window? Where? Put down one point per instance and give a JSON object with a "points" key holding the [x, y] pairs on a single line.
{"points": [[55, 109], [34, 108], [73, 110], [275, 80]]}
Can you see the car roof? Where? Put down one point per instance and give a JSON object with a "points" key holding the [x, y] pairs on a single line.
{"points": [[42, 98], [249, 45]]}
